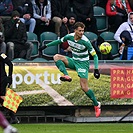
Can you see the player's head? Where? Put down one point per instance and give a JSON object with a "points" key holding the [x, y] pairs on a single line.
{"points": [[79, 29]]}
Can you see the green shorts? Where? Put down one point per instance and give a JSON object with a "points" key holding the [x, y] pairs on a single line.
{"points": [[81, 67]]}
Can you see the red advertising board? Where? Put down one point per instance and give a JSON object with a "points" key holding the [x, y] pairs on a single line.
{"points": [[122, 82]]}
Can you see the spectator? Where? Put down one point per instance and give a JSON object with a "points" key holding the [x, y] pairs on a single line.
{"points": [[26, 14], [6, 8], [101, 3], [117, 11], [84, 13], [2, 43], [124, 35], [60, 10], [131, 4], [16, 3], [42, 14], [68, 27], [65, 29], [16, 38]]}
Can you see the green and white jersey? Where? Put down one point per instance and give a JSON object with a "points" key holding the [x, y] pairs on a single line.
{"points": [[79, 48]]}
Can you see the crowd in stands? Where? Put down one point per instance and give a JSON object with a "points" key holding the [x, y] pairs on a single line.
{"points": [[17, 17]]}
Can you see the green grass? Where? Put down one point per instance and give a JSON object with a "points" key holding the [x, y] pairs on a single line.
{"points": [[75, 128]]}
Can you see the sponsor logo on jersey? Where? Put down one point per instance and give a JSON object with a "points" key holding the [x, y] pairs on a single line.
{"points": [[81, 70]]}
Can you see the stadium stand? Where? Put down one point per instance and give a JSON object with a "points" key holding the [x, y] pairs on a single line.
{"points": [[109, 37], [32, 37], [19, 60], [45, 38], [102, 19], [94, 2], [91, 36]]}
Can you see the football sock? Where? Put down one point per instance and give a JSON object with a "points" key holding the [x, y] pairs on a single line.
{"points": [[3, 122], [90, 94], [61, 67]]}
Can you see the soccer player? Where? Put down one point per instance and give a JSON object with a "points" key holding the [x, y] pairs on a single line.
{"points": [[7, 128], [4, 81], [81, 47]]}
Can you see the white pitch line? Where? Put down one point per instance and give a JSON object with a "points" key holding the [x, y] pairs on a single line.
{"points": [[31, 92]]}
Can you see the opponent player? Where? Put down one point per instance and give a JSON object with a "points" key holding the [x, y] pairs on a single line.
{"points": [[4, 81], [80, 46]]}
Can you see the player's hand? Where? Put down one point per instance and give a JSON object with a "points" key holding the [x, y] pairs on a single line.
{"points": [[41, 48], [96, 73], [9, 80]]}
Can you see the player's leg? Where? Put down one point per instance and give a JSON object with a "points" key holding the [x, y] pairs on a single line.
{"points": [[82, 70], [62, 62], [5, 125], [90, 94]]}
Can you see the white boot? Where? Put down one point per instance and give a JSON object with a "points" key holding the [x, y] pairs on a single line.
{"points": [[10, 129]]}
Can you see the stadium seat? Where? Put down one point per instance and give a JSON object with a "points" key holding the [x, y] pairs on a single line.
{"points": [[45, 38], [109, 37], [101, 18], [94, 2], [32, 37], [38, 59], [91, 36], [18, 60]]}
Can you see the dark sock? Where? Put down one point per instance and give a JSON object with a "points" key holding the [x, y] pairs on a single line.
{"points": [[61, 67], [91, 95]]}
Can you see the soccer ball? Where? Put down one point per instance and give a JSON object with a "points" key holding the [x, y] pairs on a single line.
{"points": [[105, 48]]}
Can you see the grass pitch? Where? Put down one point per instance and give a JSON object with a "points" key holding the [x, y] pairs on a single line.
{"points": [[75, 128]]}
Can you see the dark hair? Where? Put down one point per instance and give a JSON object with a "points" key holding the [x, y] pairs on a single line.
{"points": [[72, 15], [131, 13], [15, 13], [79, 24]]}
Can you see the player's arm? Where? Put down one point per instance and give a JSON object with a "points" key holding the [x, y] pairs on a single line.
{"points": [[92, 52], [95, 57], [53, 43], [96, 71]]}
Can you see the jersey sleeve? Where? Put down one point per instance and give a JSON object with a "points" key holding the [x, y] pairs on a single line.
{"points": [[53, 43], [92, 52], [57, 42], [90, 48]]}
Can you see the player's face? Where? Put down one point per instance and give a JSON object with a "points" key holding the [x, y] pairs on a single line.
{"points": [[79, 32]]}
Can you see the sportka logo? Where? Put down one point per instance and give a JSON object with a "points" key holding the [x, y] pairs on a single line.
{"points": [[31, 78]]}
